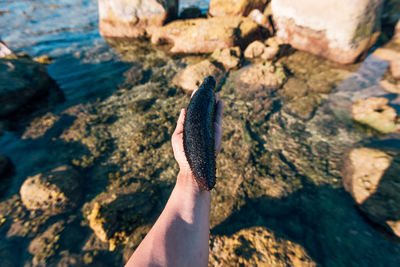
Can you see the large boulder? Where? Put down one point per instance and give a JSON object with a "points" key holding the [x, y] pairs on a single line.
{"points": [[339, 30], [376, 113], [21, 80], [132, 18], [372, 177], [54, 192], [206, 35], [190, 78], [220, 8]]}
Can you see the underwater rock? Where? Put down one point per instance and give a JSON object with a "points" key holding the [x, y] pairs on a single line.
{"points": [[54, 192], [21, 80], [371, 176], [121, 18], [190, 78], [376, 113], [4, 50], [258, 50], [338, 30], [206, 35], [45, 245], [257, 246], [39, 126], [262, 76], [229, 57], [220, 8], [115, 218]]}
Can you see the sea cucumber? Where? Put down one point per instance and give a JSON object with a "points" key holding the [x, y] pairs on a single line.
{"points": [[198, 134]]}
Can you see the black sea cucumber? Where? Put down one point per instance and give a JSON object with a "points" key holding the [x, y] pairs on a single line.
{"points": [[198, 134]]}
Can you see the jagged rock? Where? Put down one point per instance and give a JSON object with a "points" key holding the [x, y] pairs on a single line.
{"points": [[338, 30], [206, 35], [371, 176], [262, 76], [20, 81], [220, 8], [4, 50], [229, 57], [257, 246], [258, 50], [54, 192], [190, 78], [114, 219], [397, 30], [122, 18], [376, 113]]}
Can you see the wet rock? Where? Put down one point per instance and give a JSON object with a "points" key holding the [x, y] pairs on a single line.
{"points": [[229, 57], [4, 50], [21, 81], [39, 126], [257, 246], [46, 245], [54, 192], [262, 76], [294, 88], [395, 68], [190, 78], [261, 19], [45, 59], [220, 8], [371, 176], [338, 30], [390, 87], [134, 18], [258, 50], [206, 35], [376, 113], [304, 107], [115, 218]]}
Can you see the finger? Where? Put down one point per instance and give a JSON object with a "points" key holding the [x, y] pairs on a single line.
{"points": [[181, 120]]}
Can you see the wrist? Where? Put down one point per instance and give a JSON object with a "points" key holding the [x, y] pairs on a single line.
{"points": [[187, 181]]}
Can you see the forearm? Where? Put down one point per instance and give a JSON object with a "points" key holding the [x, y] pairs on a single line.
{"points": [[180, 235]]}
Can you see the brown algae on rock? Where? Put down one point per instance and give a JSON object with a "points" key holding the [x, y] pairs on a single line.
{"points": [[198, 134]]}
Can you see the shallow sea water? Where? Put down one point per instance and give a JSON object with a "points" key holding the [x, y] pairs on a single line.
{"points": [[298, 159]]}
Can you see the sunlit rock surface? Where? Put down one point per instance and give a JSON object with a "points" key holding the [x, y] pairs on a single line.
{"points": [[229, 57], [206, 35], [338, 30], [372, 177], [234, 7], [124, 18], [54, 192]]}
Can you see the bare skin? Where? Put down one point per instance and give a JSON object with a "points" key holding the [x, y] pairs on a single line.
{"points": [[180, 235]]}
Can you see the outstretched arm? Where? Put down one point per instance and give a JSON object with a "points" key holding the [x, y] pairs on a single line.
{"points": [[180, 235]]}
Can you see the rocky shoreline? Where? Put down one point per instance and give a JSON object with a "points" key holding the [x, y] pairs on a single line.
{"points": [[308, 170]]}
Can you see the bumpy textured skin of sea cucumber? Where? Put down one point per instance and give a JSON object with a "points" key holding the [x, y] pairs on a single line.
{"points": [[198, 134]]}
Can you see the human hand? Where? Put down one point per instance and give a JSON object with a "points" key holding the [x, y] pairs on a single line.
{"points": [[177, 136]]}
